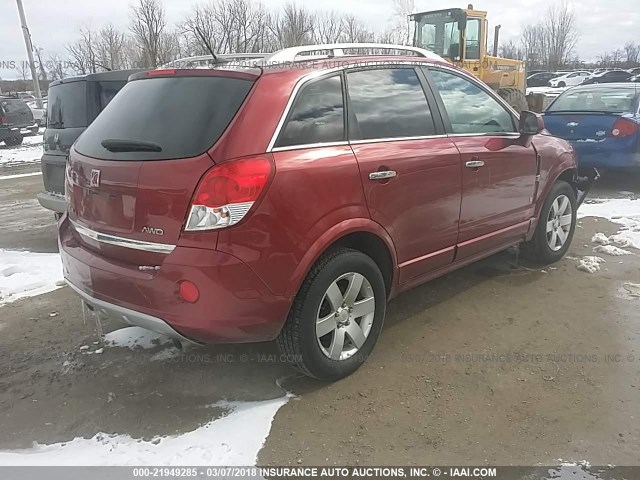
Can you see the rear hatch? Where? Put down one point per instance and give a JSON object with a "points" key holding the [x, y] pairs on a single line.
{"points": [[590, 118], [133, 172], [16, 113]]}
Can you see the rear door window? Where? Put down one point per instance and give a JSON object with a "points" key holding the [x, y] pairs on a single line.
{"points": [[471, 110], [180, 117], [317, 115], [67, 105], [388, 103]]}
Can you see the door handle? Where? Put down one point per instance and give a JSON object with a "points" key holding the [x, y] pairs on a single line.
{"points": [[474, 164], [382, 175]]}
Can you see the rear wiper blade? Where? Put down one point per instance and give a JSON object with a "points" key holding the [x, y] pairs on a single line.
{"points": [[114, 145]]}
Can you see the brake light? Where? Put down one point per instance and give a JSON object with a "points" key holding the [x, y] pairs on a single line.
{"points": [[4, 120], [624, 128], [170, 71], [227, 192]]}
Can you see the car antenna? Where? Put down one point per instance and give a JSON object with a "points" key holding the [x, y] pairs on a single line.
{"points": [[206, 43]]}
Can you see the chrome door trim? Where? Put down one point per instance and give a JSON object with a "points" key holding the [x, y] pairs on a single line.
{"points": [[121, 241]]}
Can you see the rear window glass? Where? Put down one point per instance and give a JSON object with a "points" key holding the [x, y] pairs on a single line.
{"points": [[67, 105], [14, 106], [608, 100], [183, 116]]}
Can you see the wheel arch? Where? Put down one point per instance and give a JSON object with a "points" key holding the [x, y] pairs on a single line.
{"points": [[359, 234]]}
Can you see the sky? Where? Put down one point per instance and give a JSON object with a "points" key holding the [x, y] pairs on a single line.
{"points": [[54, 23]]}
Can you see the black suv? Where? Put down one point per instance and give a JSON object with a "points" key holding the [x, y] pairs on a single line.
{"points": [[14, 115], [73, 103]]}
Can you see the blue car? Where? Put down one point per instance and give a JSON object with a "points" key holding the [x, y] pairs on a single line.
{"points": [[601, 121]]}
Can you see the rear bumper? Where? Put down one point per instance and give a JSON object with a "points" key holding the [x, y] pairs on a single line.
{"points": [[609, 160], [235, 306], [52, 201], [128, 316]]}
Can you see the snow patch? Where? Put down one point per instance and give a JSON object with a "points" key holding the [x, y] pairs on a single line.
{"points": [[235, 439], [610, 250], [27, 274], [600, 239], [135, 337], [590, 264], [623, 211], [29, 151]]}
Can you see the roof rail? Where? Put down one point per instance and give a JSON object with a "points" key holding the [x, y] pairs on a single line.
{"points": [[208, 60], [337, 50]]}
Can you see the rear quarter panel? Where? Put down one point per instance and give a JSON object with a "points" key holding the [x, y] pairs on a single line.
{"points": [[314, 191]]}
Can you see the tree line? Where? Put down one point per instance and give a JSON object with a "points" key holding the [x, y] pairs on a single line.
{"points": [[550, 44], [228, 26]]}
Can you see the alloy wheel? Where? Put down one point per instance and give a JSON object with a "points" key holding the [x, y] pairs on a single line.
{"points": [[345, 316], [559, 223]]}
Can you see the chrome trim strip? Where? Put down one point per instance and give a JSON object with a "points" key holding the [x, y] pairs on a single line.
{"points": [[310, 145], [396, 139], [122, 242]]}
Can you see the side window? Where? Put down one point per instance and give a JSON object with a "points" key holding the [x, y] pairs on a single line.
{"points": [[473, 39], [317, 115], [470, 108], [388, 103]]}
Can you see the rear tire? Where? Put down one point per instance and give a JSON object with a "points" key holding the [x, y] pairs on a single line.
{"points": [[324, 336], [515, 98], [13, 141], [556, 226]]}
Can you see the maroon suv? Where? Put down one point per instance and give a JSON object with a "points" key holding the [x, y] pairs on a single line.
{"points": [[290, 203]]}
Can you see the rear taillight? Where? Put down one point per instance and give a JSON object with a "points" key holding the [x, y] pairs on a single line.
{"points": [[4, 120], [227, 192], [624, 128]]}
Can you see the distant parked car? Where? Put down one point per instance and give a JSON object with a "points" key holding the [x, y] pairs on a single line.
{"points": [[540, 79], [569, 79], [610, 76], [15, 115], [72, 104], [601, 122], [635, 79], [249, 204], [39, 115], [634, 71]]}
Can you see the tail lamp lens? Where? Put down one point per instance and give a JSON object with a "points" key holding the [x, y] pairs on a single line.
{"points": [[227, 192], [189, 291], [624, 128], [4, 120]]}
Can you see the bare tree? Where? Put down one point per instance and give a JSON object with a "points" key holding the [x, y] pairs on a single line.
{"points": [[23, 70], [111, 48], [632, 53], [41, 66], [82, 52], [57, 67], [401, 11], [512, 50], [148, 26], [293, 26], [562, 34], [354, 31], [327, 27], [551, 42]]}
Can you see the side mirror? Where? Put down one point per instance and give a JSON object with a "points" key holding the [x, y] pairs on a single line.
{"points": [[530, 123]]}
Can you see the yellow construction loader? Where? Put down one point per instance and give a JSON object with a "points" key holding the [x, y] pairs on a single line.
{"points": [[460, 36]]}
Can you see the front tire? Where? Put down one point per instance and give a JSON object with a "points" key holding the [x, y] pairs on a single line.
{"points": [[556, 226], [336, 317], [515, 98]]}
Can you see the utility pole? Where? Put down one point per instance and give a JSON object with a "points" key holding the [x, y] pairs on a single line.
{"points": [[32, 65]]}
